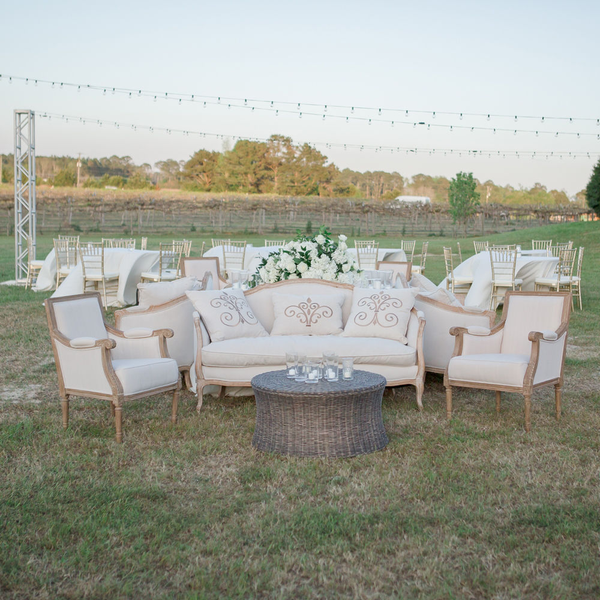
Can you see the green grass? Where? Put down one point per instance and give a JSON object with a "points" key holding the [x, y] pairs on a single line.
{"points": [[471, 509]]}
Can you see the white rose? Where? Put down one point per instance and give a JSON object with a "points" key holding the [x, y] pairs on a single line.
{"points": [[343, 246], [342, 238], [302, 267], [346, 268], [320, 239]]}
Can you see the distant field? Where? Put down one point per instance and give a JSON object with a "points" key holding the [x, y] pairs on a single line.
{"points": [[474, 508]]}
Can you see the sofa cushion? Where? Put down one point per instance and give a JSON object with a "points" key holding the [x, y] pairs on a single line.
{"points": [[442, 295], [380, 313], [151, 294], [499, 369], [226, 314], [138, 375], [313, 314], [271, 350], [422, 283]]}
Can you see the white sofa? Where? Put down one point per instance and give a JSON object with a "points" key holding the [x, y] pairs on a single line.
{"points": [[234, 362]]}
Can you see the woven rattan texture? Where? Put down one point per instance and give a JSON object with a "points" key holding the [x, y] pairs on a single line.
{"points": [[332, 419]]}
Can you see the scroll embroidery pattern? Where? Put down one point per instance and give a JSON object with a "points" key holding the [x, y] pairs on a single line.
{"points": [[375, 313], [235, 310], [308, 312]]}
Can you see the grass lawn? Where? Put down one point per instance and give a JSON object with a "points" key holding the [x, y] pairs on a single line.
{"points": [[474, 508]]}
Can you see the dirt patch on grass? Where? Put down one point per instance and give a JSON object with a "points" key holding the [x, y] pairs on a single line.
{"points": [[23, 394]]}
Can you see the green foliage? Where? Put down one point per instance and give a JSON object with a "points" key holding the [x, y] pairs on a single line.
{"points": [[309, 227], [193, 228], [65, 178], [76, 227], [592, 191], [463, 197]]}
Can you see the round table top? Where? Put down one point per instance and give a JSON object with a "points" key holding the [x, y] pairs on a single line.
{"points": [[277, 381]]}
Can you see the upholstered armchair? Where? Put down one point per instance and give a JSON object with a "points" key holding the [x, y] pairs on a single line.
{"points": [[176, 315], [525, 351], [96, 360]]}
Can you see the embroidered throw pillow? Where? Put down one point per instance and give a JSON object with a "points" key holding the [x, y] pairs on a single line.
{"points": [[151, 294], [226, 314], [312, 314], [380, 313]]}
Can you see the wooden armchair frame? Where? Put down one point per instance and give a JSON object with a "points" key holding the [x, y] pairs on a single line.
{"points": [[117, 396], [398, 268], [537, 353]]}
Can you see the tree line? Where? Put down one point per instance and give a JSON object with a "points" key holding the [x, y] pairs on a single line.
{"points": [[277, 166]]}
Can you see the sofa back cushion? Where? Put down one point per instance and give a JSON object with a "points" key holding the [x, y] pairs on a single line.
{"points": [[226, 314], [152, 294], [312, 314], [260, 298], [380, 313], [528, 313]]}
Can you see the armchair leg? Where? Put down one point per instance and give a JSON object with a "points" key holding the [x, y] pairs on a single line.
{"points": [[112, 409], [527, 412], [419, 387], [187, 379], [119, 424], [65, 412], [449, 402], [174, 407], [558, 399], [498, 397], [200, 394]]}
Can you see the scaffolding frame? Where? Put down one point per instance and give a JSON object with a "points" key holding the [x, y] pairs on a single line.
{"points": [[25, 201]]}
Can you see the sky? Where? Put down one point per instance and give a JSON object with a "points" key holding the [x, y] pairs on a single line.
{"points": [[516, 58]]}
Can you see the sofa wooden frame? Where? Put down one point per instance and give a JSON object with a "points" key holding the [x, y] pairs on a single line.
{"points": [[117, 398], [418, 381], [534, 337]]}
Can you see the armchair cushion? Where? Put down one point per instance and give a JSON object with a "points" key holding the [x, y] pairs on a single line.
{"points": [[83, 342], [493, 369], [151, 294], [138, 332], [381, 314], [141, 375], [313, 314], [226, 314], [549, 335]]}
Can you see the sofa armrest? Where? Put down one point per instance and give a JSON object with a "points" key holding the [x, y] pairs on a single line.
{"points": [[201, 339]]}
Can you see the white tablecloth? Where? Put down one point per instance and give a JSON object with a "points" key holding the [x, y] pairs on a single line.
{"points": [[130, 264], [254, 255], [479, 267]]}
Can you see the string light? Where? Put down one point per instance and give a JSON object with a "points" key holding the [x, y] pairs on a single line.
{"points": [[271, 103], [329, 145]]}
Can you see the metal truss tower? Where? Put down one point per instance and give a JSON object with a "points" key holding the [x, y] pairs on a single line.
{"points": [[25, 211]]}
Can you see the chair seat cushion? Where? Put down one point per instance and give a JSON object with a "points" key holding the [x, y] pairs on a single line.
{"points": [[461, 280], [99, 277], [248, 352], [494, 369], [139, 375], [164, 276], [506, 282], [552, 280], [65, 270], [38, 264]]}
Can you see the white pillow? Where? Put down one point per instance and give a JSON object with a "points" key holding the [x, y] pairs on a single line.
{"points": [[422, 283], [380, 314], [151, 294], [226, 314], [312, 314]]}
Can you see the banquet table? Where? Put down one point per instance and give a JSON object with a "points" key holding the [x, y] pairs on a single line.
{"points": [[254, 255], [130, 264], [479, 267]]}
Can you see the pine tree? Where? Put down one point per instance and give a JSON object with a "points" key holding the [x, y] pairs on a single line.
{"points": [[592, 191]]}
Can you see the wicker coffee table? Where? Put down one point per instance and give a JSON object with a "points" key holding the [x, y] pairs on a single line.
{"points": [[334, 419]]}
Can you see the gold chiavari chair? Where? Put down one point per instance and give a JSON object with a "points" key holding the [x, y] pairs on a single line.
{"points": [[144, 244], [95, 277], [366, 253], [562, 278], [455, 283], [541, 245], [125, 243], [409, 249], [576, 280], [274, 243], [234, 254], [33, 266], [481, 246], [66, 258], [420, 268], [169, 260], [504, 264]]}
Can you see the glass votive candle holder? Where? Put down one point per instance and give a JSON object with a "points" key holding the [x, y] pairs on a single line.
{"points": [[301, 368], [291, 364], [347, 368], [331, 367], [312, 372]]}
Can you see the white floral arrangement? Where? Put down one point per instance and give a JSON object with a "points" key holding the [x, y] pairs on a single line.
{"points": [[317, 257]]}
